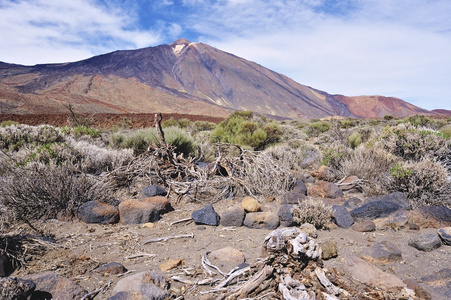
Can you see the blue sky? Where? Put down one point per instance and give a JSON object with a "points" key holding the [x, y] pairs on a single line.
{"points": [[398, 48]]}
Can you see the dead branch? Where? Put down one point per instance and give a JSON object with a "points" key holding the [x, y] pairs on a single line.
{"points": [[140, 255], [206, 263], [181, 221], [164, 239]]}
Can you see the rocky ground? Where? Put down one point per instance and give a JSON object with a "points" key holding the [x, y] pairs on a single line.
{"points": [[71, 267]]}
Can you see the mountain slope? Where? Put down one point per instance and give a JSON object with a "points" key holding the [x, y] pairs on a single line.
{"points": [[182, 77]]}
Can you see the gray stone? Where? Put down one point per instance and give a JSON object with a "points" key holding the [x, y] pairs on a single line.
{"points": [[206, 216], [445, 235], [55, 285], [352, 203], [396, 197], [12, 288], [259, 220], [98, 212], [329, 250], [375, 209], [233, 216], [382, 253], [111, 268], [144, 210], [293, 197], [365, 226], [341, 216], [152, 191], [431, 216], [143, 285], [300, 187], [426, 242], [398, 219], [285, 215]]}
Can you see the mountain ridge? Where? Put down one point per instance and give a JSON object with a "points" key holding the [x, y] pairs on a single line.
{"points": [[194, 78]]}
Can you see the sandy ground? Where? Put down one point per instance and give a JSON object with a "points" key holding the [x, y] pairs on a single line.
{"points": [[79, 248]]}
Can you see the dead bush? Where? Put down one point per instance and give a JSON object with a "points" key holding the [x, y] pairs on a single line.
{"points": [[40, 191], [410, 142], [372, 165], [295, 155], [312, 211], [423, 182]]}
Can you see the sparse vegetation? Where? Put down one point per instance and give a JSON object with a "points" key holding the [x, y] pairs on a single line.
{"points": [[312, 211], [246, 129]]}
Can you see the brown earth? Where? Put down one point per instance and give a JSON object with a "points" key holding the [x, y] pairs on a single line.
{"points": [[79, 248]]}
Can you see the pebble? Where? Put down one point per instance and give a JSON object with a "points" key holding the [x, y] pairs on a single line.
{"points": [[250, 204], [233, 216], [259, 220], [206, 216], [365, 226], [341, 216]]}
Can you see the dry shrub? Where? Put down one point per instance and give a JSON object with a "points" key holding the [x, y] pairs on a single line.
{"points": [[372, 165], [249, 173], [312, 211], [424, 182], [333, 156], [411, 143], [46, 191], [296, 155], [94, 159]]}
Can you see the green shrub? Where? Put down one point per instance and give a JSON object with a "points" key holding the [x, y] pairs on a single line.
{"points": [[418, 120], [181, 140], [348, 123], [138, 140], [170, 122], [142, 140], [204, 126], [7, 123], [388, 117], [79, 131], [446, 131], [355, 139], [317, 127], [245, 129]]}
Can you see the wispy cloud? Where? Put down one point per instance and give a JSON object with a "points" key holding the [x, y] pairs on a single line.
{"points": [[394, 48], [31, 30]]}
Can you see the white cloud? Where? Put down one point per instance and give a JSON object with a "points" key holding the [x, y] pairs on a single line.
{"points": [[400, 49], [54, 31]]}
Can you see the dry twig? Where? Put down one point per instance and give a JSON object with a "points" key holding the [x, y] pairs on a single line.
{"points": [[163, 239]]}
